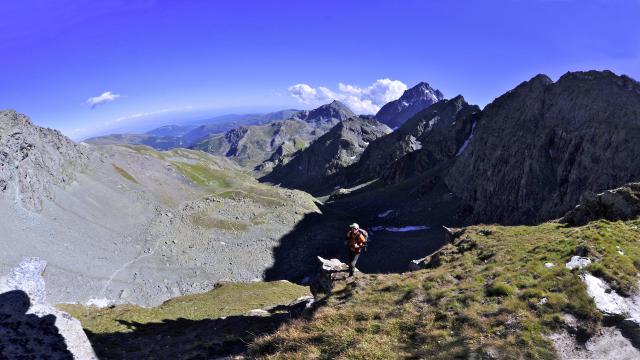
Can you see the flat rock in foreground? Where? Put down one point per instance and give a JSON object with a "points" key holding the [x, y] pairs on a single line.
{"points": [[29, 326]]}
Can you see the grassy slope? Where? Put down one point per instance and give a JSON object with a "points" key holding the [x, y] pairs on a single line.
{"points": [[485, 297], [225, 300]]}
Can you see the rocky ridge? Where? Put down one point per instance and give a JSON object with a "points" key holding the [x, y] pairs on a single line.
{"points": [[34, 159]]}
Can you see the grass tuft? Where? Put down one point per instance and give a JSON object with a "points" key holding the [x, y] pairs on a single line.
{"points": [[124, 174]]}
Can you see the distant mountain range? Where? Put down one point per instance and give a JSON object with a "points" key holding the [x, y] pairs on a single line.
{"points": [[274, 142], [173, 136], [261, 147]]}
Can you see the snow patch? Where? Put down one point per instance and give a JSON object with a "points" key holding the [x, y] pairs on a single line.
{"points": [[608, 301], [385, 214], [400, 229], [466, 142], [578, 262]]}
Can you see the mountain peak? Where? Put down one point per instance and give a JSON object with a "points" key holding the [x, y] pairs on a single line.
{"points": [[412, 101], [334, 110]]}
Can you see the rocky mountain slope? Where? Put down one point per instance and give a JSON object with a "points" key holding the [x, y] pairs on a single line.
{"points": [[412, 101], [333, 151], [432, 136], [131, 224], [34, 160], [538, 148], [265, 146]]}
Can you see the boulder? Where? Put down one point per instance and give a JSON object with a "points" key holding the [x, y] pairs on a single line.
{"points": [[622, 203], [29, 327], [330, 272], [451, 234]]}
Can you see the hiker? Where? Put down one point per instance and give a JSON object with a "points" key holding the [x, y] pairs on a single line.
{"points": [[356, 241]]}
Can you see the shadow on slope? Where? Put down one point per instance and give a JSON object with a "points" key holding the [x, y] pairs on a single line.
{"points": [[27, 336], [185, 339], [423, 202]]}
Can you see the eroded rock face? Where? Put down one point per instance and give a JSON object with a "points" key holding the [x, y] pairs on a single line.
{"points": [[538, 148], [31, 328], [33, 159], [622, 203]]}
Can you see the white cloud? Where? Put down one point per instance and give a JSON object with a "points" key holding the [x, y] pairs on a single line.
{"points": [[362, 100], [105, 97]]}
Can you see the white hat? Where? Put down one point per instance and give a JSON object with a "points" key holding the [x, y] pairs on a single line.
{"points": [[355, 226]]}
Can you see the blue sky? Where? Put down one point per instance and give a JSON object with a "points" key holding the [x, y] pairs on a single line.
{"points": [[196, 57]]}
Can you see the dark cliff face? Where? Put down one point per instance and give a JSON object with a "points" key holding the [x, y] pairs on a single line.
{"points": [[436, 133], [412, 101], [538, 148], [312, 169]]}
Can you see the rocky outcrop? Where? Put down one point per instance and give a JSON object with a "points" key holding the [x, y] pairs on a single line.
{"points": [[412, 101], [31, 328], [313, 168], [330, 272], [34, 159], [622, 203], [538, 148]]}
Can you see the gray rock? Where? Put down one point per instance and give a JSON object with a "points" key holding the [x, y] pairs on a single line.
{"points": [[428, 262], [622, 203], [33, 160], [29, 327], [331, 271]]}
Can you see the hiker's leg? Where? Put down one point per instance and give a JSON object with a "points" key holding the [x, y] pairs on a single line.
{"points": [[351, 256], [352, 264]]}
